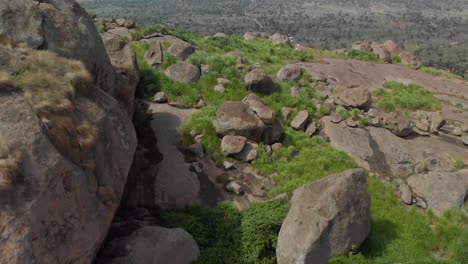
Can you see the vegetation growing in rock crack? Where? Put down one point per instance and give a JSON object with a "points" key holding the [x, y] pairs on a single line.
{"points": [[397, 96]]}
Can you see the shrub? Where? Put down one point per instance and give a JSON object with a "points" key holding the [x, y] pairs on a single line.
{"points": [[397, 96], [10, 162], [440, 73], [363, 55], [396, 59]]}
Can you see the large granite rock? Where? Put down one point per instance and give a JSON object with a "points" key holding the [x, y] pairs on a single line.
{"points": [[327, 218], [152, 245], [183, 72], [181, 50], [259, 82], [123, 58], [290, 72], [237, 119], [440, 191], [75, 149]]}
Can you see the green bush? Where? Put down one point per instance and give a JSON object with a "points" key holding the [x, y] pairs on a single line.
{"points": [[397, 96], [363, 55], [396, 59], [440, 73]]}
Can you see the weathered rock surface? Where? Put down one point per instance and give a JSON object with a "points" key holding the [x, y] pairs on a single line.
{"points": [[183, 72], [154, 55], [278, 39], [290, 72], [151, 245], [181, 50], [300, 120], [258, 81], [440, 190], [237, 119], [326, 218], [232, 144], [123, 58], [354, 97], [266, 114], [398, 123]]}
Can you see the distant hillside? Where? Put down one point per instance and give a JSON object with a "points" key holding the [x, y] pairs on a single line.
{"points": [[435, 30]]}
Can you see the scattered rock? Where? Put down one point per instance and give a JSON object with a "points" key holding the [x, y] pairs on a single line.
{"points": [[278, 39], [398, 123], [266, 114], [249, 153], [464, 138], [154, 56], [251, 35], [257, 81], [181, 50], [232, 144], [235, 187], [219, 88], [355, 97], [323, 90], [234, 54], [330, 104], [228, 165], [237, 119], [352, 123], [220, 35], [440, 191], [311, 129], [405, 194], [336, 118], [222, 81], [285, 112], [205, 69], [290, 72], [276, 146], [327, 218], [273, 132], [151, 243], [301, 119], [295, 92], [160, 98], [197, 150], [183, 72]]}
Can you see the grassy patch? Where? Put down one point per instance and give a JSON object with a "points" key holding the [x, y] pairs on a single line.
{"points": [[364, 56], [227, 236], [397, 96], [439, 73]]}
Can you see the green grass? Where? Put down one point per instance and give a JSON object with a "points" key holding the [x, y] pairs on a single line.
{"points": [[225, 235], [439, 73], [364, 56], [397, 96]]}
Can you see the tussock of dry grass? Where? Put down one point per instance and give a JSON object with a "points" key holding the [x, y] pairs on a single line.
{"points": [[7, 83], [50, 85], [10, 162]]}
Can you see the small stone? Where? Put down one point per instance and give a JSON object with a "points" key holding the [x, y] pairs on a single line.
{"points": [[336, 118], [196, 167], [249, 153], [465, 139], [276, 146], [376, 121], [373, 112], [222, 81], [197, 150], [352, 123], [457, 131], [405, 194], [201, 103], [329, 103], [205, 68], [235, 187], [160, 98], [198, 138], [421, 203], [193, 133], [268, 149], [299, 122], [311, 129], [220, 88], [286, 111], [231, 145], [228, 165], [295, 92]]}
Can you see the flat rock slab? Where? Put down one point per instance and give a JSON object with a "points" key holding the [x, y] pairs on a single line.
{"points": [[176, 185]]}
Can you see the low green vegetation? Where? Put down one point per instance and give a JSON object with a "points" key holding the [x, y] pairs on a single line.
{"points": [[397, 96], [226, 235], [364, 56], [440, 73]]}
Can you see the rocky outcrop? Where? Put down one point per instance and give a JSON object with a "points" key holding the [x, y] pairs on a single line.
{"points": [[181, 50], [388, 51], [290, 73], [183, 72], [124, 61], [152, 244], [278, 39], [259, 82], [439, 191], [86, 145], [154, 56], [327, 218], [69, 144]]}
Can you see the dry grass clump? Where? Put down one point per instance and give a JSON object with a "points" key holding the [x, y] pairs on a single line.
{"points": [[51, 85], [7, 83], [10, 162]]}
